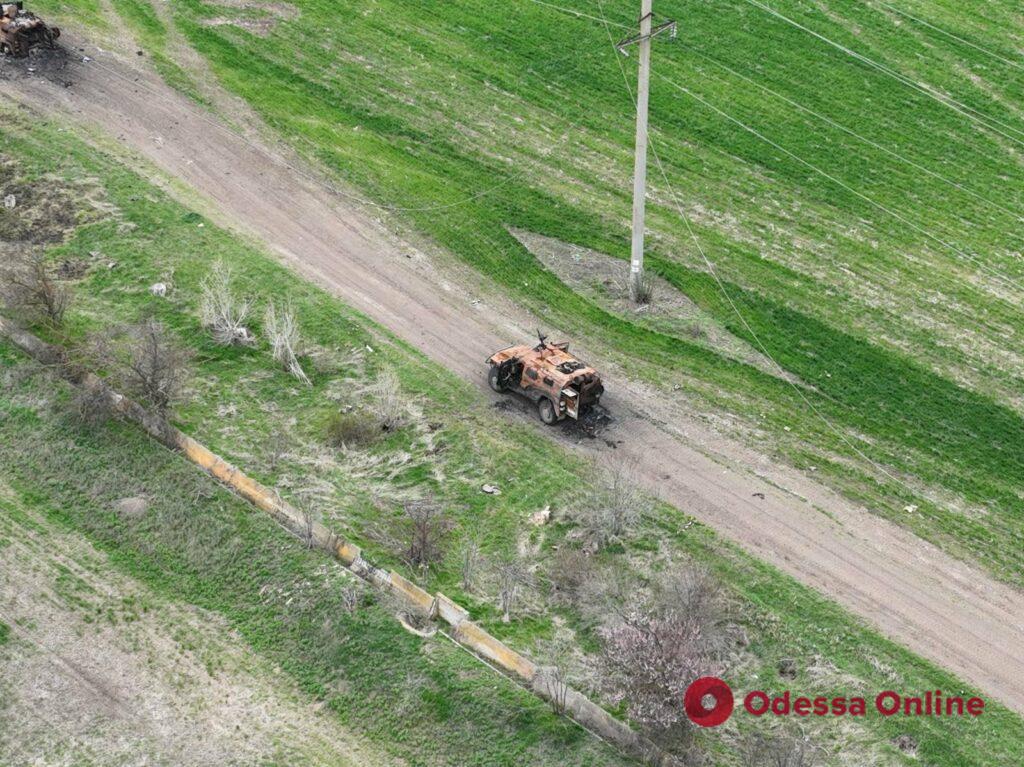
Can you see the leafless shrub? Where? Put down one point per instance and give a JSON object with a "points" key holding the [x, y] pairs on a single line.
{"points": [[310, 517], [221, 311], [276, 445], [512, 578], [419, 534], [388, 404], [156, 367], [427, 528], [412, 616], [614, 506], [786, 750], [568, 571], [353, 429], [641, 288], [30, 289], [554, 688], [351, 597], [143, 359], [469, 564], [655, 644], [282, 331], [91, 406]]}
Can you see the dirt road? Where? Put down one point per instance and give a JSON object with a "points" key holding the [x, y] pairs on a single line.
{"points": [[941, 608]]}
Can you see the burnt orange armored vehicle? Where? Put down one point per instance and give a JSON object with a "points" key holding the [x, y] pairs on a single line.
{"points": [[21, 31], [549, 375]]}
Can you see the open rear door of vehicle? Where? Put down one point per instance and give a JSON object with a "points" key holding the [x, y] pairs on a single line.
{"points": [[572, 403]]}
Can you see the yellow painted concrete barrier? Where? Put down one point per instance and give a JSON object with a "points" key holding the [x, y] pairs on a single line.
{"points": [[412, 594], [451, 613], [475, 638]]}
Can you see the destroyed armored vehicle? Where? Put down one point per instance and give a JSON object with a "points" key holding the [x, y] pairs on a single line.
{"points": [[548, 375], [21, 31]]}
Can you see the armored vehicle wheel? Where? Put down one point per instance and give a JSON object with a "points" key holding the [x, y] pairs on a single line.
{"points": [[494, 379], [546, 411]]}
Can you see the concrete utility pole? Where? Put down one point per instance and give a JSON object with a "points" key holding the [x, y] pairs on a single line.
{"points": [[636, 254], [647, 33]]}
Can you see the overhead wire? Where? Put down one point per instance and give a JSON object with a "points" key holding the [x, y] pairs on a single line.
{"points": [[845, 129], [941, 31], [580, 14], [967, 111], [924, 231]]}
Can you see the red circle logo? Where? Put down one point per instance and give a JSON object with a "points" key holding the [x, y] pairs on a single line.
{"points": [[693, 701]]}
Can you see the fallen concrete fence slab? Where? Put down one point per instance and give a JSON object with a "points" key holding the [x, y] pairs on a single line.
{"points": [[468, 634]]}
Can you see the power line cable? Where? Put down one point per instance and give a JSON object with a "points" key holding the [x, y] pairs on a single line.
{"points": [[922, 88], [859, 137], [581, 14], [941, 31], [839, 182]]}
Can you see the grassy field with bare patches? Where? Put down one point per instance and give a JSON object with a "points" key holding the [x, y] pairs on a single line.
{"points": [[196, 545]]}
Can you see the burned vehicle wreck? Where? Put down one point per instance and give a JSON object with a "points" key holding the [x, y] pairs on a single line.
{"points": [[21, 31], [560, 384]]}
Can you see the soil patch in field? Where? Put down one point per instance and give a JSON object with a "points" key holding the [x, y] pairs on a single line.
{"points": [[603, 280], [42, 211], [258, 18], [40, 62]]}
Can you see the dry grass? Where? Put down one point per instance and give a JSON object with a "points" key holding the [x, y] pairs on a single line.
{"points": [[221, 311]]}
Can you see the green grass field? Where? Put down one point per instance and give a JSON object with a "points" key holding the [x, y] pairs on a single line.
{"points": [[873, 248], [201, 546]]}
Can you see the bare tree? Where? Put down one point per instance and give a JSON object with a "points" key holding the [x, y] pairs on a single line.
{"points": [[277, 444], [221, 311], [657, 643], [428, 528], [513, 578], [155, 366], [29, 288], [786, 750], [144, 359], [91, 406], [282, 331], [310, 517], [306, 502], [419, 534]]}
